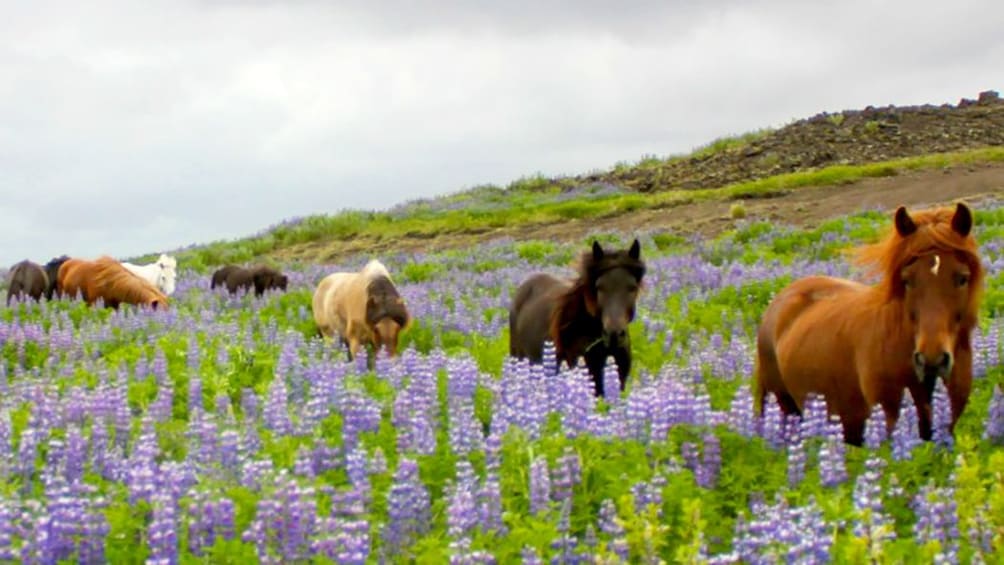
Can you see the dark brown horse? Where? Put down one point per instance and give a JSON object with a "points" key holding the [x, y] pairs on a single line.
{"points": [[586, 317], [859, 345], [261, 277], [27, 279], [52, 272]]}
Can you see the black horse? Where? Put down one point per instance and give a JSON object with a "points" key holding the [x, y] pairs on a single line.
{"points": [[261, 277], [27, 279], [587, 317], [52, 271]]}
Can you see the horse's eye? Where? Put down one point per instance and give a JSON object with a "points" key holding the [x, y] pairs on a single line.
{"points": [[961, 280], [908, 283]]}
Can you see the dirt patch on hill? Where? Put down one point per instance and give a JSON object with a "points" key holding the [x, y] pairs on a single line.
{"points": [[849, 137], [804, 207]]}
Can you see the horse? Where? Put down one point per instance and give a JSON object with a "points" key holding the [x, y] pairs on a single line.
{"points": [[859, 345], [261, 277], [52, 272], [363, 308], [27, 278], [106, 279], [161, 273], [587, 317], [220, 276]]}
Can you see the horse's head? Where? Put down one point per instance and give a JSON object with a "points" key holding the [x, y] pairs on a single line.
{"points": [[386, 314], [940, 284], [615, 280], [166, 274]]}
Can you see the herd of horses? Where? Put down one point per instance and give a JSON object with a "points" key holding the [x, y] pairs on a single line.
{"points": [[856, 345]]}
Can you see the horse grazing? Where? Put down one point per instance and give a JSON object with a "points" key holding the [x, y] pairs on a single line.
{"points": [[261, 277], [107, 279], [162, 273], [27, 279], [859, 345], [52, 272], [586, 317], [363, 308]]}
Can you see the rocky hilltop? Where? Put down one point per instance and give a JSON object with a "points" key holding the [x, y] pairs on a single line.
{"points": [[848, 137]]}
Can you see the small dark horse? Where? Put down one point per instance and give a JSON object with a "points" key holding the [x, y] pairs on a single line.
{"points": [[587, 317], [27, 279], [52, 271], [261, 277]]}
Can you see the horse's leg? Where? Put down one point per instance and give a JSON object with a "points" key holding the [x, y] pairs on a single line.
{"points": [[960, 385], [922, 402], [854, 429]]}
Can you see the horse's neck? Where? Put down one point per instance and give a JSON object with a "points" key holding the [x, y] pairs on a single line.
{"points": [[574, 321]]}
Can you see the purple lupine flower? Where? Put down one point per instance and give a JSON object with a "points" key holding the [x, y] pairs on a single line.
{"points": [[343, 541], [407, 507], [832, 455], [565, 545], [871, 523], [611, 381], [941, 417], [461, 511], [994, 428], [163, 531], [608, 523], [906, 434], [796, 455], [567, 473], [772, 422], [706, 473], [284, 522], [937, 520], [741, 417], [875, 428], [540, 485], [490, 504]]}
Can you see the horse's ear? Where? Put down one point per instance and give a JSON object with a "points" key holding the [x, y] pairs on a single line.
{"points": [[962, 221], [597, 251], [904, 223], [635, 251]]}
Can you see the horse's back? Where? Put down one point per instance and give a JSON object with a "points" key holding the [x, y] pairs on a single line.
{"points": [[220, 275], [326, 301], [530, 314], [28, 278], [805, 342]]}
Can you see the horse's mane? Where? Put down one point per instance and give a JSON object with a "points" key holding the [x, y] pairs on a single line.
{"points": [[119, 283], [168, 261], [374, 269], [887, 257], [389, 305], [582, 296]]}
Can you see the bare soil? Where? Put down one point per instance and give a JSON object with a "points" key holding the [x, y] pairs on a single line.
{"points": [[803, 207]]}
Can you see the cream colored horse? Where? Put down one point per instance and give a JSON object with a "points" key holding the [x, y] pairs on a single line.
{"points": [[362, 308]]}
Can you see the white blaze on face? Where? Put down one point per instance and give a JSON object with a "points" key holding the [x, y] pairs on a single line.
{"points": [[936, 266]]}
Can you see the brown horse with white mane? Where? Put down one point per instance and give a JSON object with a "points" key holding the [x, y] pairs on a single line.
{"points": [[106, 279], [859, 345]]}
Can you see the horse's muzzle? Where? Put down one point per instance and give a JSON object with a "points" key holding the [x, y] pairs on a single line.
{"points": [[928, 370]]}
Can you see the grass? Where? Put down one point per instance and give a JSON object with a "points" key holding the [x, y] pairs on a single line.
{"points": [[523, 209]]}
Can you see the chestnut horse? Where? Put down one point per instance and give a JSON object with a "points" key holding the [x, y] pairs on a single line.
{"points": [[363, 308], [107, 279], [587, 317], [27, 279], [859, 345]]}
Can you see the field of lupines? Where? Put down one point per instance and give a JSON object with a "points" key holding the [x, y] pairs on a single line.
{"points": [[224, 431]]}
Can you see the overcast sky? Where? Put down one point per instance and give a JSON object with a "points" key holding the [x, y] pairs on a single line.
{"points": [[135, 127]]}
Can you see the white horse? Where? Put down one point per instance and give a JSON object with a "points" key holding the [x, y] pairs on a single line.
{"points": [[161, 274]]}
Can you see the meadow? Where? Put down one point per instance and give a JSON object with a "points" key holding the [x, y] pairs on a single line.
{"points": [[224, 431]]}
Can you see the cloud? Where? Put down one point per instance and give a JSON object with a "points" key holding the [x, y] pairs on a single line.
{"points": [[127, 128]]}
